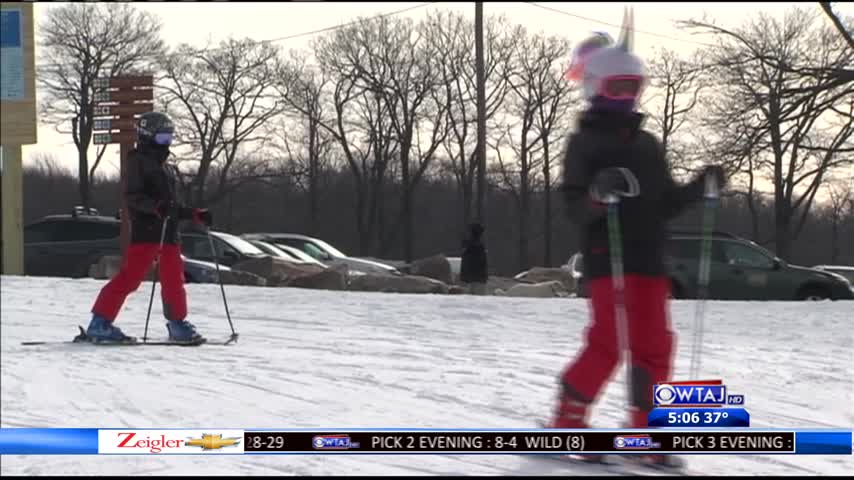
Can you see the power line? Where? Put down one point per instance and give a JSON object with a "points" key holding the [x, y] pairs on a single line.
{"points": [[304, 34], [344, 25], [615, 25]]}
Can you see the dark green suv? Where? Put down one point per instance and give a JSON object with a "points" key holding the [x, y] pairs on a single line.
{"points": [[67, 245], [740, 270]]}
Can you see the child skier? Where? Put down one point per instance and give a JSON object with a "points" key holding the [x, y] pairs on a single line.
{"points": [[610, 154], [153, 203]]}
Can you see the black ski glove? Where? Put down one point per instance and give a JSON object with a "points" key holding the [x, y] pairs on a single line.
{"points": [[174, 210]]}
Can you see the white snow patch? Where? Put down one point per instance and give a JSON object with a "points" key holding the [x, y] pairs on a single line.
{"points": [[342, 359]]}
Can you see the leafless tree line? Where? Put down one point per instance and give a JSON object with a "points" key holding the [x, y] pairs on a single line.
{"points": [[378, 119]]}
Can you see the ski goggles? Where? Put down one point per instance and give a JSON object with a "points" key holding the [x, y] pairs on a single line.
{"points": [[164, 138], [621, 87]]}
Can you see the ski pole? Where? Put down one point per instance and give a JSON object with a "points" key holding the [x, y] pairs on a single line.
{"points": [[619, 285], [233, 337], [711, 198], [615, 242], [156, 274]]}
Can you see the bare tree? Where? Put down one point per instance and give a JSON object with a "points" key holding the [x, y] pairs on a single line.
{"points": [[553, 99], [841, 196], [306, 143], [798, 126], [391, 59], [675, 86], [220, 99], [451, 36], [360, 125], [81, 42], [538, 101], [843, 30]]}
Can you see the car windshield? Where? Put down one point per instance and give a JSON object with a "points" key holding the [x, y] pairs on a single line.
{"points": [[329, 248], [849, 274], [240, 244], [269, 248], [297, 253]]}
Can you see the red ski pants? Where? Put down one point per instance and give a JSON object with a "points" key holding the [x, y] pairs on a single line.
{"points": [[649, 336], [137, 261]]}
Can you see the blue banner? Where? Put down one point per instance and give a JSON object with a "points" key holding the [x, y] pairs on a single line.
{"points": [[91, 441], [48, 441], [699, 417], [823, 443]]}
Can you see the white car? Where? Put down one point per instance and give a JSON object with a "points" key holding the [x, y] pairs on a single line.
{"points": [[286, 252], [323, 252]]}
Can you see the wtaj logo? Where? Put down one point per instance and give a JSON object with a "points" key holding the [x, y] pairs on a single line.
{"points": [[705, 393], [333, 442], [635, 442]]}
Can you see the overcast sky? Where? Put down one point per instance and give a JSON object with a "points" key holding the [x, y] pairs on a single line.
{"points": [[195, 23]]}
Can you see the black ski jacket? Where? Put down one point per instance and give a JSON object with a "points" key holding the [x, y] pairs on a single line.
{"points": [[152, 184], [473, 264], [602, 140]]}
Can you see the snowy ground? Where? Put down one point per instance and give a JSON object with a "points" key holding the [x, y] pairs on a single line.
{"points": [[336, 360]]}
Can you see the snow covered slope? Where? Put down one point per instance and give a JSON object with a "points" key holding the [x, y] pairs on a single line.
{"points": [[341, 359]]}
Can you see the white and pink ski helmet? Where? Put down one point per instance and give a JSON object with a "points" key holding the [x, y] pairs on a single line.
{"points": [[606, 69]]}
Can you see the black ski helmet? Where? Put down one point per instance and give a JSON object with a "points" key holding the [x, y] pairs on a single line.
{"points": [[156, 128]]}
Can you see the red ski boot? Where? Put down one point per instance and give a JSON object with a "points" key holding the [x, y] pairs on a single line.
{"points": [[640, 419], [571, 412]]}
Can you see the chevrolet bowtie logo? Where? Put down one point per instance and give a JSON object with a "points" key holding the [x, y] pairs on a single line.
{"points": [[212, 442]]}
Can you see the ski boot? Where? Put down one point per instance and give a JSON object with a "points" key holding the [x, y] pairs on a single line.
{"points": [[101, 330], [639, 418], [182, 331], [571, 412]]}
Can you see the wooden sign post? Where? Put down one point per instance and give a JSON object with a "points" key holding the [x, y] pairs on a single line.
{"points": [[17, 123], [118, 101]]}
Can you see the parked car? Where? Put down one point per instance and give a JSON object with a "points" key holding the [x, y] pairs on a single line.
{"points": [[286, 252], [229, 249], [67, 245], [739, 270], [197, 271], [323, 252], [844, 270]]}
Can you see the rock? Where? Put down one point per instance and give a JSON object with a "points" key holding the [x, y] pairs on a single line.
{"points": [[109, 265], [436, 267], [541, 274], [106, 267], [550, 289], [503, 283], [237, 277], [370, 282], [276, 271], [329, 279]]}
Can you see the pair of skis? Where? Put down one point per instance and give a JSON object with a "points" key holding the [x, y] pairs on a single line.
{"points": [[83, 339], [614, 465]]}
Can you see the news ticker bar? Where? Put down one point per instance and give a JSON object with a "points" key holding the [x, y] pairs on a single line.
{"points": [[94, 441]]}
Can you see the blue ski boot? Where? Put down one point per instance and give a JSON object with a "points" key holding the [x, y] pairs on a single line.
{"points": [[101, 330], [182, 331]]}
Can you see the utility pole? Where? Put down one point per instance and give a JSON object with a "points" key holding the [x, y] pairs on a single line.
{"points": [[481, 113]]}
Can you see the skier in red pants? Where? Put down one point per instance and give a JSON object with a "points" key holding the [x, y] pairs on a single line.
{"points": [[610, 154], [152, 198]]}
